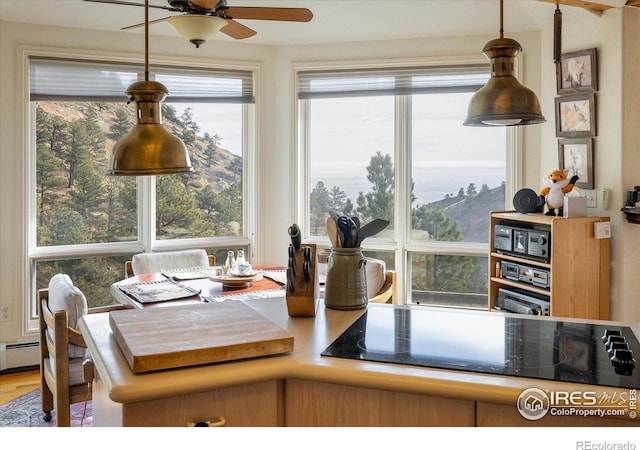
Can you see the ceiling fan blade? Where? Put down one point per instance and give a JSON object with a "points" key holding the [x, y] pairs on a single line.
{"points": [[209, 5], [118, 2], [151, 22], [237, 30], [260, 13]]}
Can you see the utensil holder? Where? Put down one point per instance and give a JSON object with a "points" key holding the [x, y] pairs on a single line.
{"points": [[346, 284], [302, 301]]}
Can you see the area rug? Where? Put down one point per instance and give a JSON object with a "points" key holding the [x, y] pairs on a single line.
{"points": [[26, 411]]}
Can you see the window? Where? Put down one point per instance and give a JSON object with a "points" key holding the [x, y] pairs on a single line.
{"points": [[87, 224], [389, 143]]}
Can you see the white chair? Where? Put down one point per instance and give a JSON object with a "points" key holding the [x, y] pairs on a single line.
{"points": [[156, 262], [66, 368], [380, 281]]}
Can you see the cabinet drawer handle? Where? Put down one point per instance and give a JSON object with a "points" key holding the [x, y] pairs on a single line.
{"points": [[218, 423]]}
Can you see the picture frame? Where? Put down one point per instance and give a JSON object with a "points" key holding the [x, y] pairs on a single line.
{"points": [[577, 156], [577, 72], [576, 115]]}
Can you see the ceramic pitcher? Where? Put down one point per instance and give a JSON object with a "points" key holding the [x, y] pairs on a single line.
{"points": [[346, 283]]}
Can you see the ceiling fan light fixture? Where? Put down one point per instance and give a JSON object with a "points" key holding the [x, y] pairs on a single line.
{"points": [[196, 28], [148, 148], [503, 101]]}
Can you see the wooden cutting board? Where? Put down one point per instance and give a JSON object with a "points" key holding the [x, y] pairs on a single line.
{"points": [[166, 338]]}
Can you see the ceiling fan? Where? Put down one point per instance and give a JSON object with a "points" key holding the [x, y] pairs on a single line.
{"points": [[202, 19]]}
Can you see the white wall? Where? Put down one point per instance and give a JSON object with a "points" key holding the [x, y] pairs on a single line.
{"points": [[616, 160], [628, 245], [616, 152]]}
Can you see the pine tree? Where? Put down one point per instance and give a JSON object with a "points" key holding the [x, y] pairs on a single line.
{"points": [[319, 206], [121, 124], [48, 181], [379, 202]]}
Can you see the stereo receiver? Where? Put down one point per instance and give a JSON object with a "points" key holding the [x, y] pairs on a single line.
{"points": [[523, 242], [517, 302]]}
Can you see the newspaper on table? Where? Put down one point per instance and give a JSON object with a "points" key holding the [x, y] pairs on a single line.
{"points": [[158, 291]]}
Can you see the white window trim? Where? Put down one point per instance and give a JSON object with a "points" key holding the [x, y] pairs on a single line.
{"points": [[401, 244], [31, 253]]}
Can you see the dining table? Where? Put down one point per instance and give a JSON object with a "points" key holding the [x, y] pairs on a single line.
{"points": [[206, 289]]}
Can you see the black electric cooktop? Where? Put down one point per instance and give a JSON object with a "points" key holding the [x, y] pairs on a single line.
{"points": [[493, 344]]}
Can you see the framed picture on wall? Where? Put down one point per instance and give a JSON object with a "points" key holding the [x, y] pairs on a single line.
{"points": [[576, 115], [577, 156], [578, 71]]}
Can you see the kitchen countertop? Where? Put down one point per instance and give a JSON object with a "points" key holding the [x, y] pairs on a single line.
{"points": [[312, 335]]}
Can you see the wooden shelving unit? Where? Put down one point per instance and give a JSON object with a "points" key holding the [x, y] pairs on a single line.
{"points": [[578, 264]]}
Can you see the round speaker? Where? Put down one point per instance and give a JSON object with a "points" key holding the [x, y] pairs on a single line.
{"points": [[527, 201]]}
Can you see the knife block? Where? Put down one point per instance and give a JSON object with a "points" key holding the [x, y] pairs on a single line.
{"points": [[302, 301]]}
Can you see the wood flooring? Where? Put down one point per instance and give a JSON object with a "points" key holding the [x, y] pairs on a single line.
{"points": [[15, 384]]}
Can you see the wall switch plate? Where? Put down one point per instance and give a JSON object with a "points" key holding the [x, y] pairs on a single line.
{"points": [[602, 230], [604, 197], [5, 313], [590, 195]]}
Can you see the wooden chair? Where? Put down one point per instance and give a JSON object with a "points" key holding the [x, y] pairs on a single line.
{"points": [[387, 293], [155, 262], [66, 369]]}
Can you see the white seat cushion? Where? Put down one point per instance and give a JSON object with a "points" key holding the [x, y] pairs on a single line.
{"points": [[156, 262], [376, 272], [64, 296], [76, 370]]}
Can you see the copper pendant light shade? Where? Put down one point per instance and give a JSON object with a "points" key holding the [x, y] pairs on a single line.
{"points": [[503, 101], [148, 149]]}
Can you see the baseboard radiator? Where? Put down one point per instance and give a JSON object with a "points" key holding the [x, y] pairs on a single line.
{"points": [[14, 356]]}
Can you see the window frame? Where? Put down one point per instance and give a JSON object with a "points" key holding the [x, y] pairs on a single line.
{"points": [[401, 244], [145, 241]]}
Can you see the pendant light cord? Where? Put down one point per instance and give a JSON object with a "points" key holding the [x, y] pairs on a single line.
{"points": [[501, 19], [146, 40], [557, 34]]}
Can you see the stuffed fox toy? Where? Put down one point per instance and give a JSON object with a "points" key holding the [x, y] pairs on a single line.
{"points": [[555, 187]]}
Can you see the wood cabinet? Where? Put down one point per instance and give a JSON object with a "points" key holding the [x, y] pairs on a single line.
{"points": [[252, 405], [314, 404], [578, 264]]}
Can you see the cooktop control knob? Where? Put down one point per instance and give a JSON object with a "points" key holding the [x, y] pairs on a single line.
{"points": [[617, 346], [623, 361], [612, 339], [609, 332]]}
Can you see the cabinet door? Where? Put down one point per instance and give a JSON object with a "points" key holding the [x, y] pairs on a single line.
{"points": [[254, 405], [311, 404]]}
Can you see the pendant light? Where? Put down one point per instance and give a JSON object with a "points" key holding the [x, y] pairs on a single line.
{"points": [[148, 148], [503, 100]]}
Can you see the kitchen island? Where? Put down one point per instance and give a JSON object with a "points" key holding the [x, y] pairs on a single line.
{"points": [[303, 388]]}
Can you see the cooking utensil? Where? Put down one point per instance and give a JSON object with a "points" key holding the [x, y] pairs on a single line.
{"points": [[296, 237], [332, 231], [369, 229], [291, 280], [349, 231], [356, 220], [306, 267], [292, 260]]}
